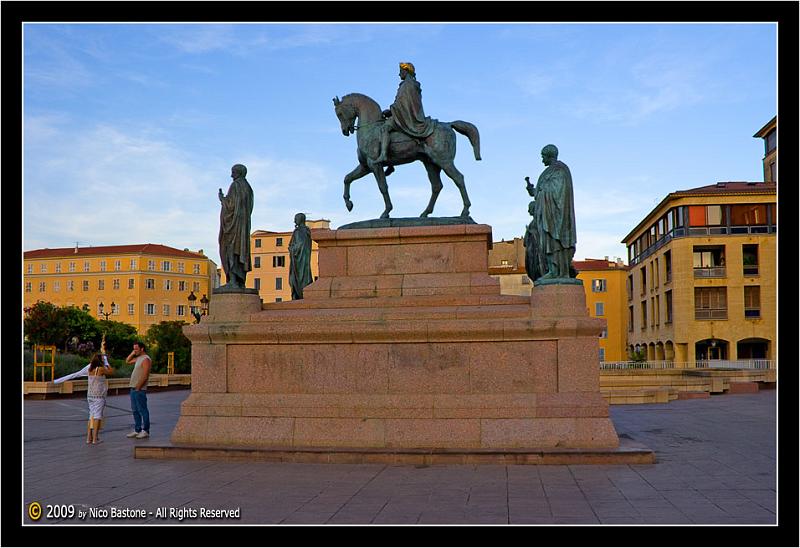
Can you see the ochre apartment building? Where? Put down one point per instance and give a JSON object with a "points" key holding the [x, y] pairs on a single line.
{"points": [[769, 133], [604, 284], [703, 278], [140, 285]]}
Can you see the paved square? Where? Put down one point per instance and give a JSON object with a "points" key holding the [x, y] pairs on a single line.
{"points": [[716, 465]]}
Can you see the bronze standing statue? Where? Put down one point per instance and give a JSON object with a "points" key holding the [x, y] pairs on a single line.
{"points": [[534, 266], [551, 236], [400, 135], [300, 257], [234, 229]]}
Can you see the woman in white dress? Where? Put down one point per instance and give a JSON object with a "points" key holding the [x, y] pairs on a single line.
{"points": [[96, 370]]}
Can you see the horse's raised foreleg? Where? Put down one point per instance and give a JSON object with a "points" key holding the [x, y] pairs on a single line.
{"points": [[458, 179], [357, 173], [384, 188], [434, 176]]}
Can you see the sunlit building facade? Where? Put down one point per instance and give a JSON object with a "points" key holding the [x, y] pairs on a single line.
{"points": [[702, 283], [140, 285], [604, 284]]}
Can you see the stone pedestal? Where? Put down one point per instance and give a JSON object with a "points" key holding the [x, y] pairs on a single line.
{"points": [[404, 343]]}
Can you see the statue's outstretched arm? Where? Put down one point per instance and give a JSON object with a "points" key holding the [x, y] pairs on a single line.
{"points": [[529, 187]]}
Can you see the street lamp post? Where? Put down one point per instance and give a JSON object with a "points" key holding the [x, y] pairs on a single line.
{"points": [[106, 314], [193, 310]]}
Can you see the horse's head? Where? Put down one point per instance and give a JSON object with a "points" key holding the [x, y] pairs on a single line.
{"points": [[346, 114]]}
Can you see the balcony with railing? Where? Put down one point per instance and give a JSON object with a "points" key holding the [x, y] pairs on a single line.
{"points": [[711, 220], [750, 270], [709, 272], [752, 313], [710, 313]]}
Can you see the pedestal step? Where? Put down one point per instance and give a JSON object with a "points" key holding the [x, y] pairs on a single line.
{"points": [[627, 452]]}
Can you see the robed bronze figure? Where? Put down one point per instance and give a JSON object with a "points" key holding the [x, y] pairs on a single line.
{"points": [[551, 237], [300, 257], [406, 113], [234, 229]]}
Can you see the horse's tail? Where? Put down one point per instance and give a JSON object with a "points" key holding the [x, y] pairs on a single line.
{"points": [[465, 128]]}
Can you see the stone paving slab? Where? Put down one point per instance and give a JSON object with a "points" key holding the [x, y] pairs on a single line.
{"points": [[716, 465]]}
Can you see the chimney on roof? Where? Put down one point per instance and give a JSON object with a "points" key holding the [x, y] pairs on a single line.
{"points": [[76, 248], [606, 258], [200, 251]]}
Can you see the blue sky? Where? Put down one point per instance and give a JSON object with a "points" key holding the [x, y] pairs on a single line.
{"points": [[130, 129]]}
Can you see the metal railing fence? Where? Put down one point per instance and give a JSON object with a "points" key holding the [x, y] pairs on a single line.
{"points": [[697, 364]]}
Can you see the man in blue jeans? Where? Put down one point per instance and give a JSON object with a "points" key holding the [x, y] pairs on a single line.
{"points": [[138, 384]]}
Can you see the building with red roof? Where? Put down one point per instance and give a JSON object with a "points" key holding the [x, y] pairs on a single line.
{"points": [[140, 284]]}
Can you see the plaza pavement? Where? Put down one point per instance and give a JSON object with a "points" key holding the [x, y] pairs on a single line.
{"points": [[716, 464]]}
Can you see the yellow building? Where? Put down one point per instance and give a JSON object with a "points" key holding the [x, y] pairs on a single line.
{"points": [[703, 275], [140, 285], [507, 264], [770, 135], [269, 258], [603, 281]]}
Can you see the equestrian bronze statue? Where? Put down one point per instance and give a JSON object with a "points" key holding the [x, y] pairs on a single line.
{"points": [[400, 135]]}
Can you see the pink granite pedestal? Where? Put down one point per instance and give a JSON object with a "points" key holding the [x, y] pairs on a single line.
{"points": [[403, 345]]}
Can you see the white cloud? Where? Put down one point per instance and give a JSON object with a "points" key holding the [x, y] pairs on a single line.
{"points": [[245, 39], [595, 244], [104, 187], [112, 186], [198, 38], [644, 85], [284, 187], [55, 67], [535, 82], [607, 201], [202, 69]]}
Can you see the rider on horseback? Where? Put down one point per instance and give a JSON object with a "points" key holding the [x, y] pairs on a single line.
{"points": [[406, 113]]}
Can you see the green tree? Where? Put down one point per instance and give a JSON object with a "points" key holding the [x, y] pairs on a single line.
{"points": [[165, 337], [82, 327], [120, 337], [45, 323]]}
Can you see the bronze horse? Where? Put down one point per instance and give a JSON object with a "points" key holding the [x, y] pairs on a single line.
{"points": [[436, 152]]}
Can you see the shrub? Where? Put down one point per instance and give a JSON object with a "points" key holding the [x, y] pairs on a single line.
{"points": [[70, 363], [64, 365], [639, 356]]}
